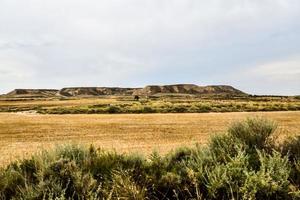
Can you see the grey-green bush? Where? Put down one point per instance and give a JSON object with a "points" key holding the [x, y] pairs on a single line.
{"points": [[244, 163]]}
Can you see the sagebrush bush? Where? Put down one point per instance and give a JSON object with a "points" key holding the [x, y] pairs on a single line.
{"points": [[244, 163], [270, 181], [291, 147], [223, 147], [253, 132], [223, 180]]}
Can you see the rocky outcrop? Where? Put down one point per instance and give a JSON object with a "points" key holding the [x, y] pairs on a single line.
{"points": [[189, 89], [150, 90], [33, 92], [96, 91]]}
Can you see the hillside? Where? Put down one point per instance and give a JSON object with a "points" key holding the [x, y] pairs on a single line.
{"points": [[189, 89], [150, 90], [96, 91], [32, 93]]}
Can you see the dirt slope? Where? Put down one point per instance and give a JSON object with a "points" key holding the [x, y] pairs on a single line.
{"points": [[32, 93], [96, 91], [189, 89]]}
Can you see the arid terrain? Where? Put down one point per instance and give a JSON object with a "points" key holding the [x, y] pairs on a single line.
{"points": [[24, 133], [113, 131], [191, 89], [161, 118]]}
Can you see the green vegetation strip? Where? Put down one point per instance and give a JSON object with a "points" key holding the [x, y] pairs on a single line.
{"points": [[245, 163], [171, 107], [159, 105]]}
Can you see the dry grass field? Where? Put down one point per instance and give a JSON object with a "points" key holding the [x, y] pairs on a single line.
{"points": [[25, 104], [22, 134]]}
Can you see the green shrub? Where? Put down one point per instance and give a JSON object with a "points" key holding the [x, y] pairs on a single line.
{"points": [[10, 182], [291, 147], [225, 180], [124, 187], [256, 133], [148, 109], [242, 164], [203, 108], [295, 174], [270, 181], [223, 147], [180, 109], [113, 109]]}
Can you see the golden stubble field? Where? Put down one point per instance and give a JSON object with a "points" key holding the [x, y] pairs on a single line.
{"points": [[22, 134]]}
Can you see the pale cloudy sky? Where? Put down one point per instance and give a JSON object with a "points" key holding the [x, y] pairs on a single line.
{"points": [[253, 45]]}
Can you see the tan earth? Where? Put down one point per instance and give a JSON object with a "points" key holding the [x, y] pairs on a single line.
{"points": [[117, 91], [22, 134]]}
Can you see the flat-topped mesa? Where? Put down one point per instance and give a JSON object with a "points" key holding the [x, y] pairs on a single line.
{"points": [[189, 89], [35, 92], [223, 89], [176, 89], [96, 91], [167, 89]]}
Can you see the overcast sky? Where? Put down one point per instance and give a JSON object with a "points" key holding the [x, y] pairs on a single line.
{"points": [[253, 45]]}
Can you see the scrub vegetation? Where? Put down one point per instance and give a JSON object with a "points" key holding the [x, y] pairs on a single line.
{"points": [[166, 104], [245, 163]]}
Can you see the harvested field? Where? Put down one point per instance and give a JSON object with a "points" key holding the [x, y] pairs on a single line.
{"points": [[22, 134]]}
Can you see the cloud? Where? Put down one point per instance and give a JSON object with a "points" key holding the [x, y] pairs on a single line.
{"points": [[280, 76], [282, 70], [16, 69], [57, 43]]}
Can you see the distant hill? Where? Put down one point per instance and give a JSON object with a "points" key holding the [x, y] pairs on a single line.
{"points": [[189, 89], [33, 92], [95, 91], [150, 90]]}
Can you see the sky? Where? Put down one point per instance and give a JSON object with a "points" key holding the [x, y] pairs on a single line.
{"points": [[253, 45]]}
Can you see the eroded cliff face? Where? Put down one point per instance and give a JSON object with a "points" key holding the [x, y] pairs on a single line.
{"points": [[189, 89], [96, 91], [118, 91], [33, 92]]}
